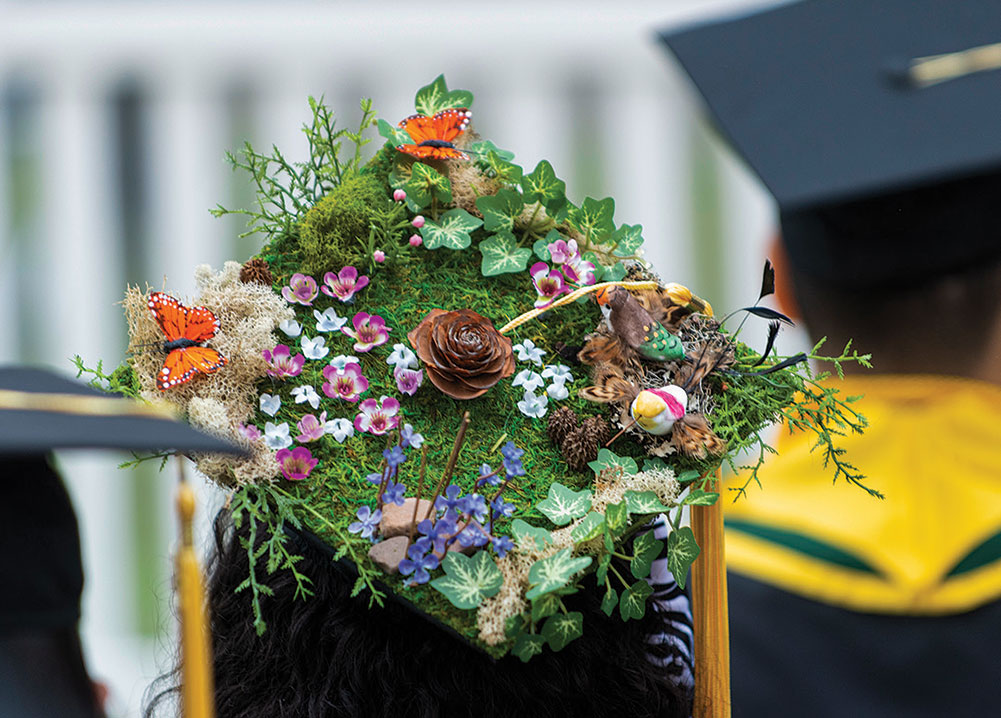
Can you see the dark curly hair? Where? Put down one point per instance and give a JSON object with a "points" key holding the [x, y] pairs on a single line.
{"points": [[331, 655]]}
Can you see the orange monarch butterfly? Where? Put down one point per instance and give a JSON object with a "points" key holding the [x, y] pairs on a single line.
{"points": [[185, 328], [434, 137]]}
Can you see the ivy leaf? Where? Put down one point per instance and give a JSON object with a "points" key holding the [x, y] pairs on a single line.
{"points": [[545, 605], [617, 518], [682, 550], [563, 505], [633, 601], [687, 477], [608, 602], [698, 497], [426, 182], [603, 562], [590, 528], [654, 464], [484, 147], [451, 230], [436, 97], [646, 548], [608, 459], [502, 255], [395, 135], [541, 246], [543, 186], [644, 502], [553, 572], [467, 581], [530, 538], [593, 219], [500, 210], [614, 273], [628, 238], [528, 645], [562, 628]]}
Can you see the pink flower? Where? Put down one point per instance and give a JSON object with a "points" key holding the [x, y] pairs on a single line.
{"points": [[281, 362], [310, 428], [562, 251], [346, 383], [344, 284], [369, 331], [418, 221], [408, 381], [378, 417], [250, 431], [579, 271], [297, 463], [416, 240], [399, 195], [549, 284], [300, 290], [379, 256]]}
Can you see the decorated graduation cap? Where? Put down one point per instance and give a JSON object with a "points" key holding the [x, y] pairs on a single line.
{"points": [[873, 124]]}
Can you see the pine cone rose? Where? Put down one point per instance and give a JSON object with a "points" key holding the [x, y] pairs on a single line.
{"points": [[256, 271], [462, 351]]}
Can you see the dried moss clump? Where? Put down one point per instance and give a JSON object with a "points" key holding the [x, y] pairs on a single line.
{"points": [[333, 232]]}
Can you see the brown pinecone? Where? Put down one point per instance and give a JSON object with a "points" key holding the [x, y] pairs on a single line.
{"points": [[597, 430], [561, 422], [578, 449], [256, 270]]}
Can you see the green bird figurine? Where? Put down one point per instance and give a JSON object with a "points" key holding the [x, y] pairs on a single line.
{"points": [[633, 324]]}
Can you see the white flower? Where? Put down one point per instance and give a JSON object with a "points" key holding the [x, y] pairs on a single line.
{"points": [[557, 390], [528, 379], [340, 429], [527, 351], [532, 405], [305, 394], [270, 404], [328, 321], [291, 327], [277, 437], [402, 357], [314, 348], [557, 372], [340, 361]]}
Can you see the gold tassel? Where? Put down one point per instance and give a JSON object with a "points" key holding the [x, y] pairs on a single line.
{"points": [[710, 615], [197, 691]]}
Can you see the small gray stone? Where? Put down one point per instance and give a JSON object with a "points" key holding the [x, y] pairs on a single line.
{"points": [[396, 519], [388, 554]]}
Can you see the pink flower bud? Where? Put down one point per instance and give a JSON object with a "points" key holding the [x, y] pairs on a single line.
{"points": [[416, 240], [399, 195], [379, 256], [418, 221]]}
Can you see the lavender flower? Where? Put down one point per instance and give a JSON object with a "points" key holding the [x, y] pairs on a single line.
{"points": [[410, 438], [502, 508], [450, 500], [473, 535], [394, 457], [367, 523], [344, 284], [475, 506], [408, 381], [395, 493], [437, 532], [300, 290], [417, 563], [485, 471], [502, 544]]}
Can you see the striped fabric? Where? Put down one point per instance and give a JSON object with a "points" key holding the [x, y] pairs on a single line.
{"points": [[674, 606]]}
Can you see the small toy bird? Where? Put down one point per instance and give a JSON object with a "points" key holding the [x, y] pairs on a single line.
{"points": [[633, 324], [656, 410]]}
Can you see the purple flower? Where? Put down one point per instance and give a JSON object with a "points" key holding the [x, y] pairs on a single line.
{"points": [[437, 532], [395, 493], [417, 563], [281, 363], [512, 460], [502, 544], [510, 451], [450, 499], [473, 535], [579, 271], [485, 471], [408, 381], [250, 431], [347, 383], [378, 417], [369, 331], [344, 284], [394, 457], [502, 508], [375, 479], [409, 437], [367, 523], [300, 290], [297, 463], [475, 506], [562, 251], [310, 428], [549, 284]]}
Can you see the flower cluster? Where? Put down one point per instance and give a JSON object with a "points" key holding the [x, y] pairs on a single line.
{"points": [[404, 362], [571, 270], [532, 404]]}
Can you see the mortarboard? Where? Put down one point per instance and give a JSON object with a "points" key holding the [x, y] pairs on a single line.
{"points": [[873, 124]]}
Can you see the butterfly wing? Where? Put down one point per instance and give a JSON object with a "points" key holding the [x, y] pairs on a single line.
{"points": [[449, 124], [170, 315], [433, 153], [202, 324], [445, 126], [182, 364]]}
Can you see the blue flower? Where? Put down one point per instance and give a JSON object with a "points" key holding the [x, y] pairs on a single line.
{"points": [[485, 470], [394, 493], [510, 451], [450, 499], [394, 457], [409, 437], [502, 544], [437, 532], [473, 535], [502, 508], [367, 523], [374, 479], [474, 505], [417, 563], [512, 460]]}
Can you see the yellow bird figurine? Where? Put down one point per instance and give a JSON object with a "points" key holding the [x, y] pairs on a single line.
{"points": [[656, 410]]}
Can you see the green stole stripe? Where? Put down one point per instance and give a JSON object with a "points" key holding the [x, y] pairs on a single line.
{"points": [[986, 553], [807, 545]]}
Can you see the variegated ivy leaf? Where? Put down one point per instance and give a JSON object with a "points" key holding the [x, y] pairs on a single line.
{"points": [[500, 210], [593, 219], [467, 581], [591, 527], [426, 182], [485, 146], [530, 538], [644, 502], [698, 497], [627, 239], [563, 505], [646, 548], [451, 230], [562, 628], [553, 572], [543, 186], [395, 135], [654, 464], [617, 518], [614, 273], [632, 603], [608, 459], [682, 550], [496, 163], [528, 645], [608, 602], [436, 97], [541, 246], [546, 605], [604, 560], [687, 477], [502, 255]]}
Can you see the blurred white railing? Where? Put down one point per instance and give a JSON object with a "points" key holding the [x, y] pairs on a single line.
{"points": [[89, 88]]}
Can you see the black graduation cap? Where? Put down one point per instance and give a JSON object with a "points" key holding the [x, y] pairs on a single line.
{"points": [[875, 125]]}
